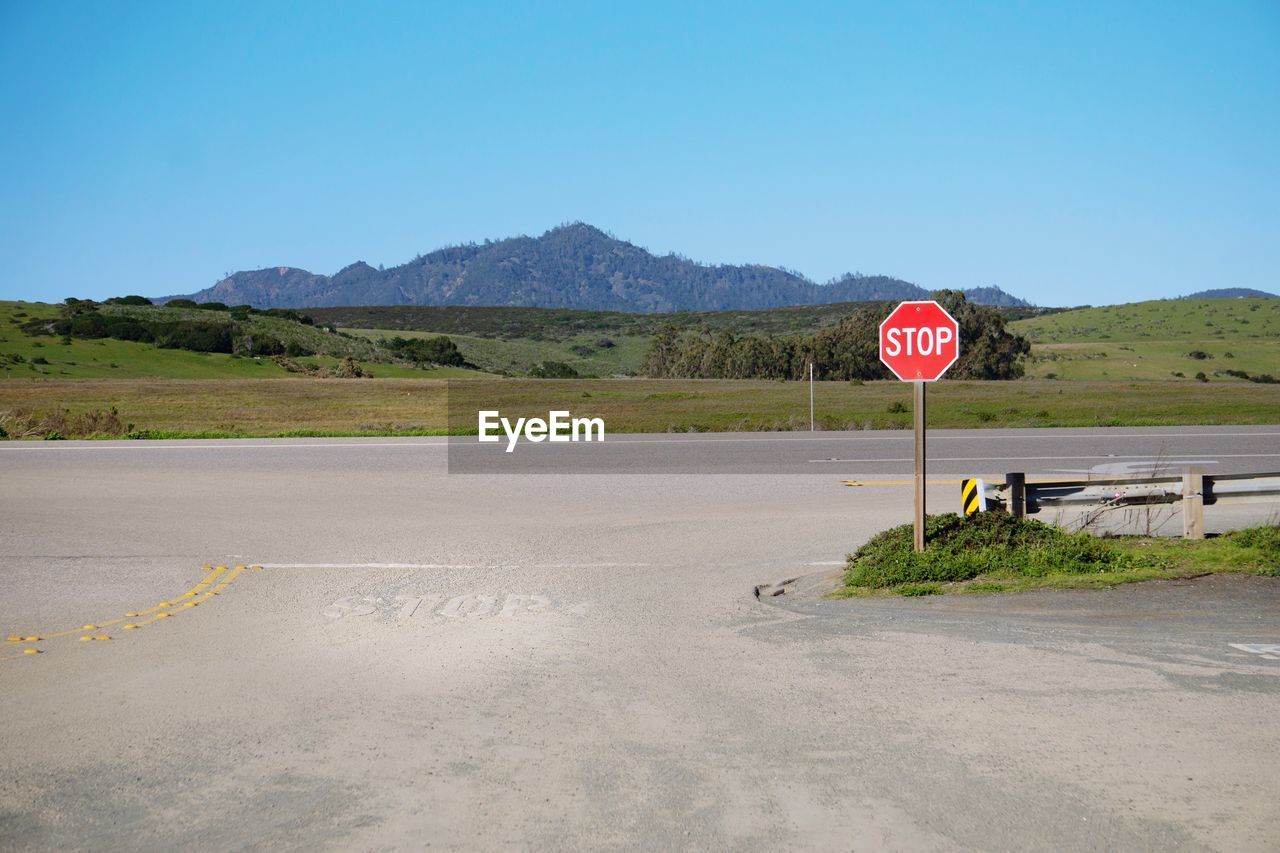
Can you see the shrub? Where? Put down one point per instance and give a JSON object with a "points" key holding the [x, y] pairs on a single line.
{"points": [[258, 345], [553, 370], [897, 407], [915, 590], [437, 350], [1198, 355], [125, 329], [129, 300], [605, 343], [993, 543], [39, 360], [348, 369], [181, 303], [293, 349], [213, 306], [90, 324], [1200, 377], [287, 314], [193, 335]]}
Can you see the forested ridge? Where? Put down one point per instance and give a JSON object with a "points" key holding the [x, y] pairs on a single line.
{"points": [[573, 266]]}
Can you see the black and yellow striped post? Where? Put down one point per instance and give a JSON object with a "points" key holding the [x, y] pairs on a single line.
{"points": [[973, 496]]}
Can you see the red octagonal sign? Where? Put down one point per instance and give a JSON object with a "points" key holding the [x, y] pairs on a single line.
{"points": [[919, 341]]}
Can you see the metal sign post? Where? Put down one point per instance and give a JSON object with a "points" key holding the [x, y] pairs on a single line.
{"points": [[918, 342], [918, 540]]}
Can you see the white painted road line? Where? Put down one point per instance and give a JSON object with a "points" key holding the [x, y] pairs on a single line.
{"points": [[1266, 651], [1153, 458], [228, 444], [453, 565]]}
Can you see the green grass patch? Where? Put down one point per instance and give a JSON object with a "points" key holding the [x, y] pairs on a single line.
{"points": [[994, 552], [916, 590]]}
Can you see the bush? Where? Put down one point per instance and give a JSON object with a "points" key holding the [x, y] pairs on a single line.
{"points": [[61, 423], [553, 370], [193, 335], [258, 345], [1198, 355], [213, 306], [1200, 377], [437, 350], [994, 543], [88, 325], [124, 329], [286, 314], [181, 303], [293, 349], [129, 300]]}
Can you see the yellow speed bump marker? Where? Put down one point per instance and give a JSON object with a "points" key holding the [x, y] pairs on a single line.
{"points": [[31, 651], [206, 568], [130, 627], [255, 568], [85, 639], [14, 639], [32, 639], [102, 637]]}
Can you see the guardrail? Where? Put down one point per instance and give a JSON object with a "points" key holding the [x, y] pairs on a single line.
{"points": [[1193, 489]]}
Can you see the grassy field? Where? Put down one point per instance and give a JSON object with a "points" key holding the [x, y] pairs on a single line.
{"points": [[1169, 339], [293, 406]]}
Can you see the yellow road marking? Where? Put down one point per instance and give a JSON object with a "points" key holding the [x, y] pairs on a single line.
{"points": [[202, 591], [898, 482]]}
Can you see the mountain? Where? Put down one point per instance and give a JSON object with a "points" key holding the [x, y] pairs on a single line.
{"points": [[573, 266], [1230, 293]]}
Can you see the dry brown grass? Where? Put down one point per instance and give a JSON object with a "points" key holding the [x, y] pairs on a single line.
{"points": [[258, 407]]}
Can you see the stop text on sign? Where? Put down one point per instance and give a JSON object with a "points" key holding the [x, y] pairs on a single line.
{"points": [[922, 341], [919, 341]]}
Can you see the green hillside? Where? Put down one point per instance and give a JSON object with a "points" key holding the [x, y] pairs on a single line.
{"points": [[1166, 339], [27, 356]]}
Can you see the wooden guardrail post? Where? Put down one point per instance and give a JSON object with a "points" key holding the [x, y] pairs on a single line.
{"points": [[1017, 484], [1192, 502]]}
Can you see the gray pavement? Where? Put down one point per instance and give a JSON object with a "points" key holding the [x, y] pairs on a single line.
{"points": [[514, 659]]}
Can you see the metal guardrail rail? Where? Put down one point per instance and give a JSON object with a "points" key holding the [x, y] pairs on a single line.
{"points": [[1193, 489]]}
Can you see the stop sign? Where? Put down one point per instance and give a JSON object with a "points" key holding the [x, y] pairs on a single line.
{"points": [[919, 341]]}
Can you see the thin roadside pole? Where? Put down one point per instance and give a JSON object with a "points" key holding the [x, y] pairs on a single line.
{"points": [[811, 427]]}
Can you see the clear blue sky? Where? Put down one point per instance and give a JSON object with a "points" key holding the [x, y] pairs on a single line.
{"points": [[1068, 152]]}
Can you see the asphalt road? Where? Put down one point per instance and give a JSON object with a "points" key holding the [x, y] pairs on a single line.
{"points": [[577, 661]]}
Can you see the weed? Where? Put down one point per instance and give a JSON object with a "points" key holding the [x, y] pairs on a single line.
{"points": [[915, 590], [989, 543]]}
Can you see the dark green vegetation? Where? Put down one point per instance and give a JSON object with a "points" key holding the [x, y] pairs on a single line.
{"points": [[848, 350], [995, 552], [434, 350], [125, 338], [573, 266]]}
